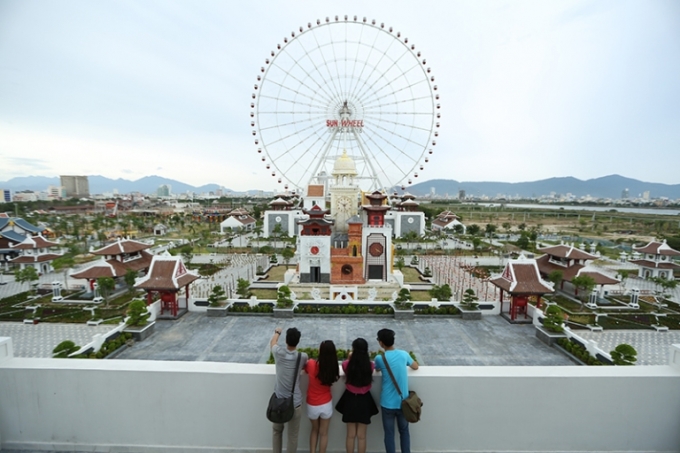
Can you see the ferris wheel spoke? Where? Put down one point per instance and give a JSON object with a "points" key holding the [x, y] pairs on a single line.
{"points": [[378, 126], [398, 123], [356, 59], [290, 101], [293, 133], [336, 93], [400, 101], [290, 123], [321, 88], [389, 83], [304, 155], [376, 65], [396, 167], [372, 88], [312, 98]]}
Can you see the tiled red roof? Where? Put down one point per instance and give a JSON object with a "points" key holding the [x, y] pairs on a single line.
{"points": [[569, 273], [521, 276], [652, 264], [121, 246], [26, 259], [34, 242], [568, 251], [600, 279], [167, 272], [657, 248], [114, 268]]}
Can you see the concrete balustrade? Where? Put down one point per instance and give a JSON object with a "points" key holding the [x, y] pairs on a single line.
{"points": [[126, 405]]}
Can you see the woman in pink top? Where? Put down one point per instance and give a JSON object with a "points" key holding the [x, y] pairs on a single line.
{"points": [[357, 405], [322, 374]]}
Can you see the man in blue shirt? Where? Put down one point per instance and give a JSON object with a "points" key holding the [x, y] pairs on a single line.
{"points": [[390, 399]]}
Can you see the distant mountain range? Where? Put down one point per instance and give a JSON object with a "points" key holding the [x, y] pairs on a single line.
{"points": [[100, 184], [610, 186], [605, 187]]}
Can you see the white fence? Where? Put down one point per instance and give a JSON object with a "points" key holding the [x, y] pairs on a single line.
{"points": [[161, 406]]}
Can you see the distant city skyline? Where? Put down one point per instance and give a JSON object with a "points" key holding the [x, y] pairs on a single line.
{"points": [[529, 90]]}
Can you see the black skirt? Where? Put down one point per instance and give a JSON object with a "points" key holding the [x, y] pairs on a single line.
{"points": [[356, 408]]}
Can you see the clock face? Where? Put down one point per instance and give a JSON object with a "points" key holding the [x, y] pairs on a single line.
{"points": [[375, 249], [344, 204], [314, 250]]}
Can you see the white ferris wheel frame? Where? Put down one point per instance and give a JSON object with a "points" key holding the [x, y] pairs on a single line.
{"points": [[320, 144]]}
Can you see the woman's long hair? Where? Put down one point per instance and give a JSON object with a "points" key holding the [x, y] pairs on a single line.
{"points": [[359, 372], [329, 371]]}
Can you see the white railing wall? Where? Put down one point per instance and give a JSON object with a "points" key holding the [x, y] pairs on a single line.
{"points": [[137, 405]]}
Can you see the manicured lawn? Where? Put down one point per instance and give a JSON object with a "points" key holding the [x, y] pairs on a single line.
{"points": [[275, 274], [411, 275], [265, 294], [420, 296]]}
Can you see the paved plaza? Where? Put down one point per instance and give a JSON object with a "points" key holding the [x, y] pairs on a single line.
{"points": [[435, 341], [38, 340]]}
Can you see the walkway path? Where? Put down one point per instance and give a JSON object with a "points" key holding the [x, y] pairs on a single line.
{"points": [[653, 348], [435, 341], [38, 340]]}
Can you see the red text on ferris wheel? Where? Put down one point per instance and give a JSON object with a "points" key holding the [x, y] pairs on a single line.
{"points": [[344, 123]]}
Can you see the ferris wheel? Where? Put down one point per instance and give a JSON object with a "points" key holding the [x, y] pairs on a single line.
{"points": [[345, 84]]}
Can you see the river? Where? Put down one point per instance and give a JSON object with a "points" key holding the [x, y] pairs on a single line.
{"points": [[556, 207]]}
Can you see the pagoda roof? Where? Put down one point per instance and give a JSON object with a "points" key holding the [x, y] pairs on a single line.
{"points": [[568, 251], [21, 223], [573, 271], [27, 259], [657, 248], [121, 246], [409, 202], [114, 268], [280, 202], [521, 276], [316, 211], [238, 211], [34, 242], [654, 264], [167, 272], [13, 236], [408, 196]]}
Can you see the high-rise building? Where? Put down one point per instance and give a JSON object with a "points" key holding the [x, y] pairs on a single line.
{"points": [[625, 194], [5, 195], [164, 190], [75, 186], [461, 194]]}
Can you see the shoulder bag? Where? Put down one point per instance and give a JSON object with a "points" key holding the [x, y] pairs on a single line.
{"points": [[281, 410], [411, 406]]}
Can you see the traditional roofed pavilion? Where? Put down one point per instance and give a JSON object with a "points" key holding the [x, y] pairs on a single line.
{"points": [[167, 276], [657, 260], [521, 279], [446, 220], [34, 251], [572, 262], [117, 259], [14, 230]]}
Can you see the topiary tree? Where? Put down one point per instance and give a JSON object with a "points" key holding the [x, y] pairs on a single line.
{"points": [[106, 286], [470, 299], [403, 300], [414, 260], [553, 319], [441, 293], [130, 278], [217, 296], [27, 275], [287, 254], [64, 349], [624, 354], [399, 263], [427, 272], [242, 286], [137, 313], [556, 278], [283, 299]]}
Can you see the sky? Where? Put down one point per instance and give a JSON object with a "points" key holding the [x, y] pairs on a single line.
{"points": [[529, 89]]}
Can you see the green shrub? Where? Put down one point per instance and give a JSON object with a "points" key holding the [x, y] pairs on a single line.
{"points": [[63, 349]]}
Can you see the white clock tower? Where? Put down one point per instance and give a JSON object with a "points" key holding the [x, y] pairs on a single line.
{"points": [[344, 192]]}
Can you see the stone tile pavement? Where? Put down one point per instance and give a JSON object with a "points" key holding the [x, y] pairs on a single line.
{"points": [[435, 341], [38, 340], [653, 348]]}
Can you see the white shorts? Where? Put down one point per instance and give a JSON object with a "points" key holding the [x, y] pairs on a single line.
{"points": [[324, 411]]}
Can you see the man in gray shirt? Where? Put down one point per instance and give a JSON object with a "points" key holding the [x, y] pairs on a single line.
{"points": [[285, 359]]}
